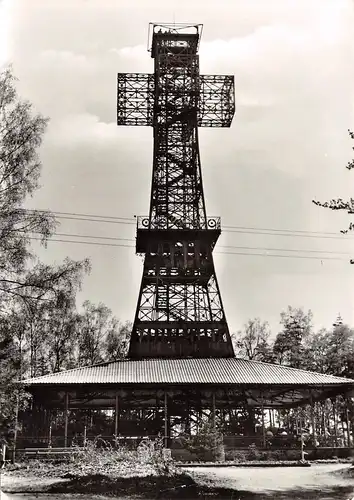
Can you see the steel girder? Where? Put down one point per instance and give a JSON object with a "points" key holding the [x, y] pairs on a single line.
{"points": [[179, 311], [135, 100]]}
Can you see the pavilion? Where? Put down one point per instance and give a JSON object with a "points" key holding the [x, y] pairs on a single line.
{"points": [[171, 394]]}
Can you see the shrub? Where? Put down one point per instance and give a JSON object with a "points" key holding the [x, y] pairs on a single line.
{"points": [[206, 444], [253, 453], [236, 455], [100, 457]]}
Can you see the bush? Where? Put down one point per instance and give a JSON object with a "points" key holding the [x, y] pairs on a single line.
{"points": [[236, 456], [207, 445], [99, 457], [254, 454]]}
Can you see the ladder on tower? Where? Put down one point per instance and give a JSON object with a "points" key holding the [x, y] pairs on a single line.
{"points": [[162, 299], [162, 305]]}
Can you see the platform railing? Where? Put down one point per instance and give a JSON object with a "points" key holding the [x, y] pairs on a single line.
{"points": [[163, 222]]}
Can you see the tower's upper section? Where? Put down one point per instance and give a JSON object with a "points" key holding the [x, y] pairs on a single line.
{"points": [[175, 100], [174, 38], [175, 48]]}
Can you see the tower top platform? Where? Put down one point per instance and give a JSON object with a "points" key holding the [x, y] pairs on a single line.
{"points": [[178, 35]]}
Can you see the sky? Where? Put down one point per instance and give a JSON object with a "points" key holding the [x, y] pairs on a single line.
{"points": [[293, 62]]}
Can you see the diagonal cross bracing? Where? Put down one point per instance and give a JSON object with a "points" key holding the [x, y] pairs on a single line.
{"points": [[179, 311], [135, 103]]}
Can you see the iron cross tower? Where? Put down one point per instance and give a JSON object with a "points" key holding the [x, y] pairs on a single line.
{"points": [[179, 311]]}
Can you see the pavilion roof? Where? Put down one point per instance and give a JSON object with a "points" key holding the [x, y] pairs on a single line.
{"points": [[215, 371]]}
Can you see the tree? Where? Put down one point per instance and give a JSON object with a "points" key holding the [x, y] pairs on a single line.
{"points": [[94, 324], [20, 135], [340, 351], [12, 397], [61, 327], [101, 336], [42, 328], [116, 344], [331, 351], [339, 203], [25, 283], [288, 346], [316, 350], [21, 132], [253, 341]]}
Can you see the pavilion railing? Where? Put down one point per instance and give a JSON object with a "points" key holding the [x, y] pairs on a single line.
{"points": [[132, 442]]}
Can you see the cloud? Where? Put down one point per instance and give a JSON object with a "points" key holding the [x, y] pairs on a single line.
{"points": [[65, 60], [293, 65], [137, 52], [81, 129]]}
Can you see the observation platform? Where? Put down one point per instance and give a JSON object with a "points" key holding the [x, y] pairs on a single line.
{"points": [[164, 229], [176, 36]]}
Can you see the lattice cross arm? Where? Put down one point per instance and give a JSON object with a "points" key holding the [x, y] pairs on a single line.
{"points": [[136, 95], [135, 98]]}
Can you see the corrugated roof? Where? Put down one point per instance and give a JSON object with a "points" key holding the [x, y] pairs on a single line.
{"points": [[188, 371]]}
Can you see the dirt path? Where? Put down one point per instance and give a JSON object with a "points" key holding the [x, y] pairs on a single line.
{"points": [[276, 479], [319, 482]]}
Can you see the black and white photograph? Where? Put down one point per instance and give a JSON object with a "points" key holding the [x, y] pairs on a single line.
{"points": [[177, 249]]}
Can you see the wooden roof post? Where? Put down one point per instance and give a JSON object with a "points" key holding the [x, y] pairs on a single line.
{"points": [[66, 417], [116, 419], [166, 421], [347, 419], [314, 436], [334, 412], [263, 425], [50, 434], [213, 416]]}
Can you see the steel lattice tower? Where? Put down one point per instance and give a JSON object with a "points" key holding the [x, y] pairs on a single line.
{"points": [[179, 311]]}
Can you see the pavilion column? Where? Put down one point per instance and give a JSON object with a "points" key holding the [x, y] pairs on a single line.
{"points": [[348, 424], [213, 421], [116, 418], [166, 418], [200, 414], [263, 425], [188, 416], [66, 419], [50, 430], [314, 436], [350, 419], [213, 412], [334, 410], [343, 430]]}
